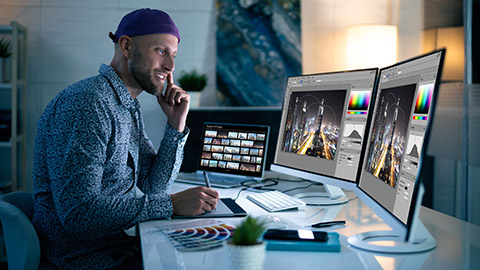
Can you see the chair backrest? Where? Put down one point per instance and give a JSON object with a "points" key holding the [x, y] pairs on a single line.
{"points": [[21, 240]]}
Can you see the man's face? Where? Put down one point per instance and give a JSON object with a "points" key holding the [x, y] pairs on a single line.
{"points": [[151, 59]]}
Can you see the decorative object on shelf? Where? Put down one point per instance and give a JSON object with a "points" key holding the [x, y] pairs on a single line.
{"points": [[5, 125], [193, 82], [246, 250], [5, 53]]}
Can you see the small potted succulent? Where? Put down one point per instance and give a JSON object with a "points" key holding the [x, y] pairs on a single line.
{"points": [[246, 249], [193, 82], [5, 52]]}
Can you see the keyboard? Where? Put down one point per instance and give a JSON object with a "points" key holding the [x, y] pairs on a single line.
{"points": [[274, 201]]}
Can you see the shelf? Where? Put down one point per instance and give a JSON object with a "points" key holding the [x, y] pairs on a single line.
{"points": [[8, 29], [6, 144], [8, 86], [17, 88]]}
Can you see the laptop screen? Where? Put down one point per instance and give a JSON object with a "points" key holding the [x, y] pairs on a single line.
{"points": [[237, 149]]}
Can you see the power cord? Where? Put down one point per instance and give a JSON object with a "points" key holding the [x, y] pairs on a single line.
{"points": [[312, 184], [260, 185]]}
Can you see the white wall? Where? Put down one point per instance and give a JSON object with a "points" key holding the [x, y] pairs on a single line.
{"points": [[68, 40], [324, 24]]}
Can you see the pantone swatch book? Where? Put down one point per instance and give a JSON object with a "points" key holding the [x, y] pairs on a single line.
{"points": [[200, 238]]}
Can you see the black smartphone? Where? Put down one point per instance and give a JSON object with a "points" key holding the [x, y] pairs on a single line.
{"points": [[295, 235]]}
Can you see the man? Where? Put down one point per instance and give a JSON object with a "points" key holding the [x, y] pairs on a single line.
{"points": [[91, 152]]}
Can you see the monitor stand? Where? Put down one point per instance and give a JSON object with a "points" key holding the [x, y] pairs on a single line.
{"points": [[371, 260], [420, 239], [323, 195], [389, 242]]}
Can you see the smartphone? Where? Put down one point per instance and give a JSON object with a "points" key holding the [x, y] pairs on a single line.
{"points": [[295, 235]]}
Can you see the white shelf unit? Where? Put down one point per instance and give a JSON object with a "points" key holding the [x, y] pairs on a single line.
{"points": [[17, 86]]}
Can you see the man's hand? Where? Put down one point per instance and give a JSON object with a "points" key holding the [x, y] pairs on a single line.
{"points": [[175, 103], [194, 201]]}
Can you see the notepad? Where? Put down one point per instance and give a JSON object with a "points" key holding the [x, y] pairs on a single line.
{"points": [[331, 245]]}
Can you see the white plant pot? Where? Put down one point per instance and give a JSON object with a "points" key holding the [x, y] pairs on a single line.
{"points": [[195, 98], [245, 257]]}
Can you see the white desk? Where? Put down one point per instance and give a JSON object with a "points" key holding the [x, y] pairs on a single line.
{"points": [[458, 242]]}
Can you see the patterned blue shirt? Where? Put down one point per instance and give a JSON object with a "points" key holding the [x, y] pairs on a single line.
{"points": [[91, 150]]}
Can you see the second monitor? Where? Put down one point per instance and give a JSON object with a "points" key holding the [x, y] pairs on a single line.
{"points": [[324, 120]]}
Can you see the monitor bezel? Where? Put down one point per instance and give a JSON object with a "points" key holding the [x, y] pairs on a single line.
{"points": [[319, 177], [415, 197]]}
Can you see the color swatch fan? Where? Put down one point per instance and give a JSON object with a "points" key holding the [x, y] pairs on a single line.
{"points": [[200, 238]]}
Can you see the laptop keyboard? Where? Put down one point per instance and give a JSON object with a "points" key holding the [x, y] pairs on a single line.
{"points": [[273, 201]]}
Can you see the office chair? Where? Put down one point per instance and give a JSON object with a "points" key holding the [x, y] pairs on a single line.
{"points": [[21, 240]]}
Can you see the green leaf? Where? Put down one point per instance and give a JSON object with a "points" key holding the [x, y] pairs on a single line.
{"points": [[192, 81], [248, 232], [5, 48]]}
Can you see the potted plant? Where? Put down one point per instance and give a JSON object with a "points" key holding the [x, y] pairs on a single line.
{"points": [[5, 52], [193, 82], [246, 249]]}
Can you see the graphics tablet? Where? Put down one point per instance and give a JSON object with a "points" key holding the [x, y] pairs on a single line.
{"points": [[226, 207]]}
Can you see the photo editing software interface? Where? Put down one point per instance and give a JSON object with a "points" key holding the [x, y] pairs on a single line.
{"points": [[323, 122], [234, 149], [401, 114]]}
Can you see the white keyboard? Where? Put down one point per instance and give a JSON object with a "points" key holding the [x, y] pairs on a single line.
{"points": [[273, 201]]}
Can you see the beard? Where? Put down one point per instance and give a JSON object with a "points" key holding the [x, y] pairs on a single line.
{"points": [[141, 74]]}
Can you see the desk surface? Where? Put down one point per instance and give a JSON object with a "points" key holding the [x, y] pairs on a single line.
{"points": [[458, 242]]}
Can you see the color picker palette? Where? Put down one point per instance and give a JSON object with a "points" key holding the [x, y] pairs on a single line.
{"points": [[200, 238], [359, 100], [424, 98]]}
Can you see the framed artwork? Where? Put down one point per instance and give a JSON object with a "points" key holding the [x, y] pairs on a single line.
{"points": [[258, 47]]}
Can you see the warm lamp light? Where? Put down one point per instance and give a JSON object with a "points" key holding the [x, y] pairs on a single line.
{"points": [[371, 46], [450, 38]]}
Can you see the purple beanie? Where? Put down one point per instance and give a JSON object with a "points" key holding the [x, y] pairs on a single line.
{"points": [[145, 21]]}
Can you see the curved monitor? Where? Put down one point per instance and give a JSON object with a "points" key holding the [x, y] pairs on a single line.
{"points": [[397, 141], [324, 121]]}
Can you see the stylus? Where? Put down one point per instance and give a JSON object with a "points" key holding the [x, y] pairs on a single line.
{"points": [[207, 181], [329, 224]]}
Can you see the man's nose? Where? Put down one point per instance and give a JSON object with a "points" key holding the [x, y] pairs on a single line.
{"points": [[169, 63]]}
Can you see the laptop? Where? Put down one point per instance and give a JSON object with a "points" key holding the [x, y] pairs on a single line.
{"points": [[231, 154]]}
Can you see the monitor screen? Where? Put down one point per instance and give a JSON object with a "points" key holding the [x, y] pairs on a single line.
{"points": [[234, 149], [396, 144], [323, 123]]}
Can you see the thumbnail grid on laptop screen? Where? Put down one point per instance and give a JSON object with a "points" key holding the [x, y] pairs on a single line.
{"points": [[234, 149]]}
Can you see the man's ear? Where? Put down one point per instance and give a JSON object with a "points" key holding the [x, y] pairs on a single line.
{"points": [[125, 44]]}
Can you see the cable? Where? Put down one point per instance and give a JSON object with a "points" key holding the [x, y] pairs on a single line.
{"points": [[238, 194], [260, 185], [285, 180], [312, 184]]}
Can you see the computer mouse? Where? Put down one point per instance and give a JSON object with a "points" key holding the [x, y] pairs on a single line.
{"points": [[273, 222]]}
